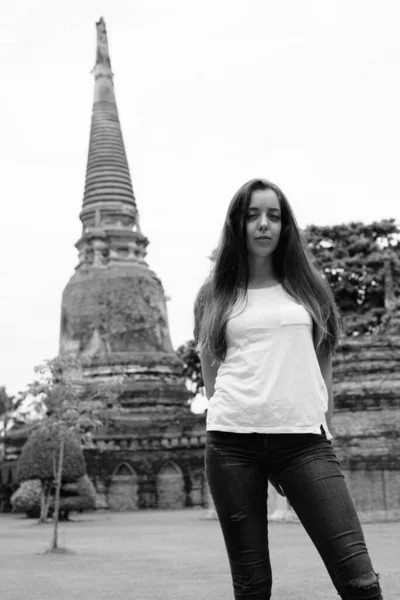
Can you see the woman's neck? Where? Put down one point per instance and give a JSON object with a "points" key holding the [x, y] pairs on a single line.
{"points": [[261, 272]]}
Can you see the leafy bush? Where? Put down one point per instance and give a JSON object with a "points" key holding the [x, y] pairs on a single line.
{"points": [[40, 454], [81, 496], [26, 499], [78, 496]]}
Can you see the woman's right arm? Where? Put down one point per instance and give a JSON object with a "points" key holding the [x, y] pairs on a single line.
{"points": [[209, 372]]}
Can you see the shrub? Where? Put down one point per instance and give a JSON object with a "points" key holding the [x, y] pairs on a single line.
{"points": [[78, 496], [84, 497], [26, 499], [40, 454]]}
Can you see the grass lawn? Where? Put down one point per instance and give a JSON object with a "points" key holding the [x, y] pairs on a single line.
{"points": [[165, 555]]}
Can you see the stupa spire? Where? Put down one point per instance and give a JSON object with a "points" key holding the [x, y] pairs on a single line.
{"points": [[109, 211], [103, 55], [104, 88]]}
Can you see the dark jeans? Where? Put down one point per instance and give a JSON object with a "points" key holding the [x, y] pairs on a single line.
{"points": [[306, 467]]}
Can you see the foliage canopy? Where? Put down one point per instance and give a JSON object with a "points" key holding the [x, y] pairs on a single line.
{"points": [[40, 455]]}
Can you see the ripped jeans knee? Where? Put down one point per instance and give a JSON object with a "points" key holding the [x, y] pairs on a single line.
{"points": [[365, 587]]}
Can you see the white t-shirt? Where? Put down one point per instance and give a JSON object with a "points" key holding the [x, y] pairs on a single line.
{"points": [[270, 380]]}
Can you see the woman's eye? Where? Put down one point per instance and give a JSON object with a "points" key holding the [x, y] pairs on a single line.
{"points": [[253, 216]]}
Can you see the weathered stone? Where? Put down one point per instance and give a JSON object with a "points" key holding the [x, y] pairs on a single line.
{"points": [[366, 420]]}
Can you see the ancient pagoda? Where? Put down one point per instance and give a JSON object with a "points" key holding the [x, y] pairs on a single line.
{"points": [[114, 312]]}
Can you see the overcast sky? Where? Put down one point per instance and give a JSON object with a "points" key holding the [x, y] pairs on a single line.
{"points": [[210, 94]]}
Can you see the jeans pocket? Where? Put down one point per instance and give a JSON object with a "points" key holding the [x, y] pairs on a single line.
{"points": [[223, 438]]}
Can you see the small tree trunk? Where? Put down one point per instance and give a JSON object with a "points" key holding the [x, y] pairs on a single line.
{"points": [[43, 503], [57, 495], [45, 499], [48, 500]]}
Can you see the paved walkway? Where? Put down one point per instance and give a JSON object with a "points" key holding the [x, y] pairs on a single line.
{"points": [[165, 555]]}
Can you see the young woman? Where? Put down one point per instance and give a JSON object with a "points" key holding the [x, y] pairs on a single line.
{"points": [[266, 326]]}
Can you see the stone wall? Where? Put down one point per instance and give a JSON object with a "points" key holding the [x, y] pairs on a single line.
{"points": [[366, 424], [118, 309], [147, 477]]}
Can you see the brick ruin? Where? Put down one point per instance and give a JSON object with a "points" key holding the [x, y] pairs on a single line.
{"points": [[366, 417], [366, 421]]}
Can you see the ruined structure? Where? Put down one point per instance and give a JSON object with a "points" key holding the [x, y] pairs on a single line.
{"points": [[366, 421], [114, 311], [366, 417]]}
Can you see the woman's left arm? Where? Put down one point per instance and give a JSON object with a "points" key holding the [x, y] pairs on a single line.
{"points": [[325, 364]]}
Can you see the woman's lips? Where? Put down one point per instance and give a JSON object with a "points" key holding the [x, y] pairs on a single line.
{"points": [[261, 240]]}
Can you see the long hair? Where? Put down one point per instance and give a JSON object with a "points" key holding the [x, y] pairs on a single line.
{"points": [[292, 264]]}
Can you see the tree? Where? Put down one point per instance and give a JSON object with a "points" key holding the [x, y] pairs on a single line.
{"points": [[5, 401], [73, 411], [192, 368], [5, 407], [40, 455], [352, 257], [9, 414]]}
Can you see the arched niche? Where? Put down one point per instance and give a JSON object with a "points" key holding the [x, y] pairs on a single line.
{"points": [[170, 486], [124, 470], [123, 491]]}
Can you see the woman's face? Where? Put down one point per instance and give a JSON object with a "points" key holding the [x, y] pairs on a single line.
{"points": [[263, 223]]}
